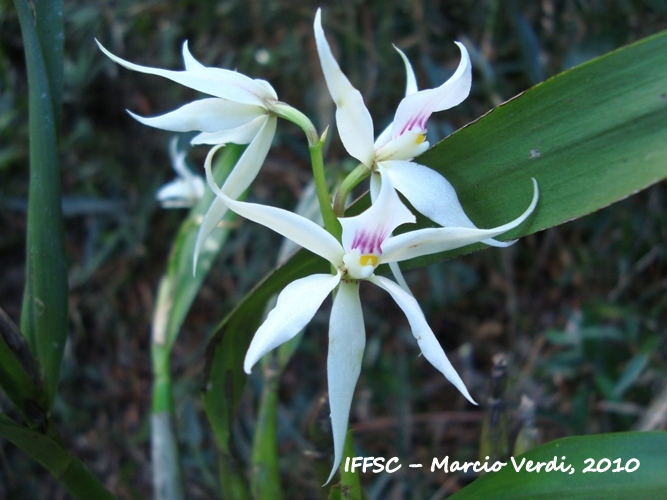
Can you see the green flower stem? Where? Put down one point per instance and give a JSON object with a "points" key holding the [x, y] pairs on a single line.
{"points": [[331, 223], [297, 117], [167, 478], [162, 398], [265, 479], [349, 183]]}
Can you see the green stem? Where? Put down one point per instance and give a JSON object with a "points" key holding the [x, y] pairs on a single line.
{"points": [[295, 116], [265, 472], [331, 223], [349, 183]]}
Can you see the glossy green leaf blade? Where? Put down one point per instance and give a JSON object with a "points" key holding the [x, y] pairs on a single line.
{"points": [[65, 467], [591, 136], [647, 481], [44, 315]]}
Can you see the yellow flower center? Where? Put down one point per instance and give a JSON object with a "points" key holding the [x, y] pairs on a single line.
{"points": [[420, 138], [368, 260]]}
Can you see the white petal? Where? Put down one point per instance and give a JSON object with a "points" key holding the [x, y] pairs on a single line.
{"points": [[212, 218], [415, 109], [180, 193], [251, 161], [190, 62], [296, 306], [178, 159], [433, 240], [309, 207], [347, 340], [384, 137], [368, 230], [243, 134], [406, 146], [290, 225], [395, 269], [267, 86], [217, 82], [411, 80], [431, 194], [410, 88], [204, 115], [355, 125], [428, 344], [239, 179]]}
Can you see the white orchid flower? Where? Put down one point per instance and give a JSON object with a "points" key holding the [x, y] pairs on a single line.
{"points": [[241, 111], [366, 243], [391, 153], [188, 187]]}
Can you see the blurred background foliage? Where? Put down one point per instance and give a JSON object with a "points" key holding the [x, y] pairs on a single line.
{"points": [[579, 310]]}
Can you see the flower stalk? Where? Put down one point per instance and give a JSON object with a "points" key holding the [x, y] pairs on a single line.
{"points": [[360, 172], [331, 223]]}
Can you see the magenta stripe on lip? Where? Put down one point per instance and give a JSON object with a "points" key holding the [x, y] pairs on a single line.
{"points": [[369, 242], [417, 120]]}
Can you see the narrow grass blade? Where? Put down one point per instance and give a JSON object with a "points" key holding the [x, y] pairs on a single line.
{"points": [[18, 374], [44, 315], [65, 467]]}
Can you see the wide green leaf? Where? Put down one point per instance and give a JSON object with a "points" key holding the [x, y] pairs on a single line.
{"points": [[641, 455]]}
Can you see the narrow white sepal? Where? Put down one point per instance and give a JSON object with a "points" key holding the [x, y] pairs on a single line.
{"points": [[241, 176], [251, 161], [418, 107], [434, 240], [355, 125], [290, 225], [411, 80], [347, 340], [296, 306], [243, 134], [212, 218], [385, 214], [427, 191], [217, 82], [190, 62], [410, 88], [205, 115], [428, 344]]}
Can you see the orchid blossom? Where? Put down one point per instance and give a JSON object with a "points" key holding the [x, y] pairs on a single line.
{"points": [[241, 111], [391, 153], [188, 187], [366, 243]]}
